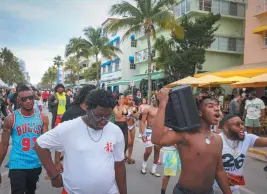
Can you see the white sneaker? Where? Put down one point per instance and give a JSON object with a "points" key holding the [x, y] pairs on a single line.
{"points": [[139, 135], [143, 170]]}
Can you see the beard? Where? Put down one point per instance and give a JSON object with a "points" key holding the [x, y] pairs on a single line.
{"points": [[236, 136]]}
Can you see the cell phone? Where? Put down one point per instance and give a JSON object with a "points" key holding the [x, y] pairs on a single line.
{"points": [[236, 179]]}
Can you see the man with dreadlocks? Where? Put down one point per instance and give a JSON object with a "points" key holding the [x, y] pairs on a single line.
{"points": [[200, 150], [58, 104]]}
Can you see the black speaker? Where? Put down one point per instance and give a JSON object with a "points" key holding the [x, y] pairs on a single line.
{"points": [[181, 111]]}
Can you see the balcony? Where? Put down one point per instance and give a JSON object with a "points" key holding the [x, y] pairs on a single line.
{"points": [[233, 9], [227, 45], [261, 9]]}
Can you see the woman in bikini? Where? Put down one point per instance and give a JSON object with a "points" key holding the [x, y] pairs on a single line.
{"points": [[120, 113], [132, 115], [141, 109]]}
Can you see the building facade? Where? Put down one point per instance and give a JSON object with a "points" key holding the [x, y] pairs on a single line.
{"points": [[256, 32], [228, 48], [113, 71], [22, 67]]}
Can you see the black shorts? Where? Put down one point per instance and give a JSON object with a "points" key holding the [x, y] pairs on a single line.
{"points": [[124, 128], [23, 181], [179, 189], [44, 100]]}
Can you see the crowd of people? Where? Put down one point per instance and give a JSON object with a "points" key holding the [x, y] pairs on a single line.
{"points": [[93, 136]]}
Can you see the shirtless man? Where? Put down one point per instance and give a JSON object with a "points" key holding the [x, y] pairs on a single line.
{"points": [[200, 150], [148, 117]]}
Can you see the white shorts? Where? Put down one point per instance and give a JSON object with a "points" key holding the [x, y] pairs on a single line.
{"points": [[148, 135]]}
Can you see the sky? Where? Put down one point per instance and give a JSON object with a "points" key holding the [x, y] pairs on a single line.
{"points": [[38, 30]]}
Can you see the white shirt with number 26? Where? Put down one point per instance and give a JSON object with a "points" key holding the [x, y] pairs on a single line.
{"points": [[88, 165], [234, 162]]}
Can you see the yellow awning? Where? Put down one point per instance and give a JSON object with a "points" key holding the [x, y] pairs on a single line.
{"points": [[259, 30], [188, 80], [257, 81], [247, 70]]}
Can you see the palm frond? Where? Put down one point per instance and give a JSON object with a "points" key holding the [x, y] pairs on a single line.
{"points": [[142, 5], [164, 6], [166, 20], [123, 23], [107, 53], [125, 9], [93, 34], [132, 30], [112, 48]]}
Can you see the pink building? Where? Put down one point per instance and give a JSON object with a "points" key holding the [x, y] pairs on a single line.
{"points": [[256, 32], [255, 54]]}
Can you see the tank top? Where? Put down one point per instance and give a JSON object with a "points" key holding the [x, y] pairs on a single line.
{"points": [[24, 133], [62, 101]]}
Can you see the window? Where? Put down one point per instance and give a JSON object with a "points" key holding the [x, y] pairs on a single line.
{"points": [[265, 38], [110, 68], [138, 56], [133, 43], [104, 69], [145, 54], [205, 5], [232, 44], [228, 44], [182, 8], [132, 65], [233, 9], [141, 55], [117, 66], [183, 3], [223, 43]]}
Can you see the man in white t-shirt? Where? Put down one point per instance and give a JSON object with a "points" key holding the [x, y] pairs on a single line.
{"points": [[254, 111], [236, 143], [93, 150]]}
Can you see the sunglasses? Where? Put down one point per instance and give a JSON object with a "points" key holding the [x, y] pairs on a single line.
{"points": [[99, 118], [23, 99]]}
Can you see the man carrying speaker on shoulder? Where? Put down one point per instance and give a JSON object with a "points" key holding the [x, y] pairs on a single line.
{"points": [[200, 150]]}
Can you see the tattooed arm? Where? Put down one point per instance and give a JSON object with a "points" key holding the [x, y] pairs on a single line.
{"points": [[8, 123]]}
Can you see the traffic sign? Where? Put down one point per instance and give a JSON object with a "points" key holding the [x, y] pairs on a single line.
{"points": [[132, 83]]}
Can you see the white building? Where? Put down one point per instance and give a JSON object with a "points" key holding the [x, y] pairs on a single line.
{"points": [[123, 68], [22, 67]]}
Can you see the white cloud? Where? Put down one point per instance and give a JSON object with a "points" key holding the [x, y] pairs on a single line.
{"points": [[62, 19], [25, 10], [38, 59]]}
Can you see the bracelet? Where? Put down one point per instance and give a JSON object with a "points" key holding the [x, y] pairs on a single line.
{"points": [[53, 178]]}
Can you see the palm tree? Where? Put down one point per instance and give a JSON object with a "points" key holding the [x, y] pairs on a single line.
{"points": [[94, 44], [143, 17], [72, 64], [58, 62]]}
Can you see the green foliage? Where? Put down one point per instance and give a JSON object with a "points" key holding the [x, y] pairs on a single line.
{"points": [[91, 73], [94, 44], [180, 58], [72, 65], [58, 61], [9, 67], [143, 16], [50, 76]]}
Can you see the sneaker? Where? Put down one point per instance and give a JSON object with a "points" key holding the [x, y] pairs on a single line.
{"points": [[143, 170], [155, 174], [139, 135]]}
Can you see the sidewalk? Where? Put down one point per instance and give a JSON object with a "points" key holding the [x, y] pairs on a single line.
{"points": [[258, 153]]}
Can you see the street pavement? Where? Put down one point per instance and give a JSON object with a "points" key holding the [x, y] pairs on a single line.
{"points": [[137, 183]]}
